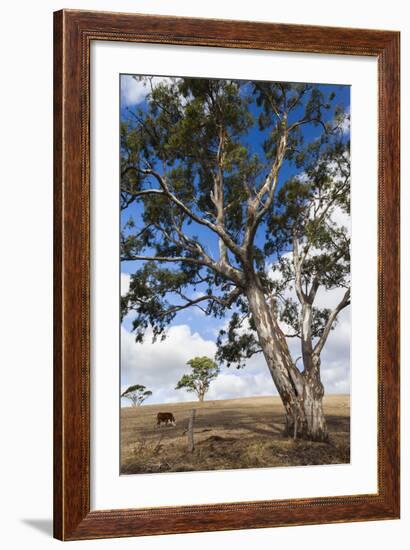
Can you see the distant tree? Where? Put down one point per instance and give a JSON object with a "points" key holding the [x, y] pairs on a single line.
{"points": [[137, 394], [204, 370]]}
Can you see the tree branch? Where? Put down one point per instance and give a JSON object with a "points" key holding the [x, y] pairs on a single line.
{"points": [[217, 196], [344, 302], [256, 207], [207, 297], [297, 264], [164, 259], [215, 228]]}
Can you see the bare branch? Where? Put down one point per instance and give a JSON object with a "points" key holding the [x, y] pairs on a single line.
{"points": [[217, 195], [313, 290], [256, 207], [185, 242], [297, 264], [345, 301], [214, 227], [144, 192], [207, 297], [269, 99], [163, 259]]}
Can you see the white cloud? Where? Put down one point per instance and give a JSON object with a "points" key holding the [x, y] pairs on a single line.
{"points": [[125, 283], [346, 122], [341, 218], [335, 357], [243, 383], [134, 91], [346, 126], [160, 365]]}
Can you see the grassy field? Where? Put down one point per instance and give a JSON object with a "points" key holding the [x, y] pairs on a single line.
{"points": [[229, 434]]}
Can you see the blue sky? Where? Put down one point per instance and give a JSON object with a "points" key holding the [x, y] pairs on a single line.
{"points": [[159, 365]]}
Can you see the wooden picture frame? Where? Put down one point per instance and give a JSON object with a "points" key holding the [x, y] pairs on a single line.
{"points": [[73, 33]]}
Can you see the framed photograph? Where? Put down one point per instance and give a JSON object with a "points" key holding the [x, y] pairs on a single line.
{"points": [[226, 284]]}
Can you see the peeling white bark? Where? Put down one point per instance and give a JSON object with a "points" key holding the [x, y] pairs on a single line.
{"points": [[301, 394]]}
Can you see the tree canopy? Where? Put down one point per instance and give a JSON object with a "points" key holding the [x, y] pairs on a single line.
{"points": [[211, 202], [234, 195], [203, 371], [137, 394]]}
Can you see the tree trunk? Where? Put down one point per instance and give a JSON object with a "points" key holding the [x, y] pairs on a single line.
{"points": [[305, 418], [301, 394]]}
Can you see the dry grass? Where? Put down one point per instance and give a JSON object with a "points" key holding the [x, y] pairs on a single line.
{"points": [[229, 434]]}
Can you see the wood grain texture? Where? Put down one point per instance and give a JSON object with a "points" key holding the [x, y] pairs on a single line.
{"points": [[58, 275], [73, 33]]}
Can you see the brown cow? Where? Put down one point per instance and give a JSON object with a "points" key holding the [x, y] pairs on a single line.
{"points": [[166, 418]]}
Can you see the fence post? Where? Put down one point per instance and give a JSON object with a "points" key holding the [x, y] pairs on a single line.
{"points": [[191, 431]]}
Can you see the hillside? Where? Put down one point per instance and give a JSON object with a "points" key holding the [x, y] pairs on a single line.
{"points": [[229, 434]]}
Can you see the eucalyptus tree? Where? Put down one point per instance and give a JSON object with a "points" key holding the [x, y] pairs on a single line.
{"points": [[203, 371], [232, 192], [137, 394]]}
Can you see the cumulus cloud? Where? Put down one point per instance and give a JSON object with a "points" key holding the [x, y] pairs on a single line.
{"points": [[335, 357], [134, 91], [242, 383], [125, 283], [346, 123], [337, 215], [159, 366], [341, 218], [346, 126]]}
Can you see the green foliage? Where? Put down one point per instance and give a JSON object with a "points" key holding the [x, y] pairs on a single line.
{"points": [[187, 143], [203, 371], [137, 394], [236, 345]]}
